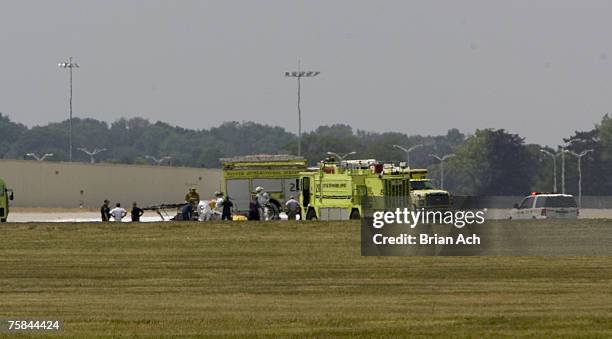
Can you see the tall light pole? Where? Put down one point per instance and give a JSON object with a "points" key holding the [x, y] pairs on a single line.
{"points": [[441, 159], [579, 156], [554, 157], [408, 150], [157, 161], [562, 169], [92, 154], [562, 149], [45, 156], [70, 65], [299, 75], [341, 157]]}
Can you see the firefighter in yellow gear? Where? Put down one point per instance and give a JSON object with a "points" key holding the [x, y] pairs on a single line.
{"points": [[192, 196]]}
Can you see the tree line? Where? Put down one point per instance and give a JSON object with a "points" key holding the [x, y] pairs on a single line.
{"points": [[487, 162]]}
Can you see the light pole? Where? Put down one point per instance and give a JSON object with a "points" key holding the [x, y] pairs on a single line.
{"points": [[441, 159], [157, 161], [45, 156], [341, 157], [92, 154], [408, 150], [70, 65], [562, 169], [299, 75], [579, 156], [562, 149], [554, 157]]}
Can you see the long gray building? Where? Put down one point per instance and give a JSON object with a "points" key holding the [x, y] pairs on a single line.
{"points": [[73, 185]]}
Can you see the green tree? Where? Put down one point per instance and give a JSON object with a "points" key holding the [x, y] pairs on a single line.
{"points": [[491, 162], [605, 136], [10, 132]]}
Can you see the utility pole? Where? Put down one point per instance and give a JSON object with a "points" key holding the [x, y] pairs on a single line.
{"points": [[70, 65], [441, 159], [407, 151], [299, 75], [554, 157], [562, 170], [579, 156]]}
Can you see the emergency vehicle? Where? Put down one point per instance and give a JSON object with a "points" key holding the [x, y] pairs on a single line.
{"points": [[277, 174], [5, 195], [342, 191], [546, 206], [424, 194]]}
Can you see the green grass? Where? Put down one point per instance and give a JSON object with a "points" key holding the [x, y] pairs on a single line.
{"points": [[286, 279]]}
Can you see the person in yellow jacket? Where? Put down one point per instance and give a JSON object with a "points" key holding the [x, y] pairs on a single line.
{"points": [[192, 196]]}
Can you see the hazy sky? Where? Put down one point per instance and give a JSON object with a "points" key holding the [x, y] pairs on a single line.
{"points": [[538, 68]]}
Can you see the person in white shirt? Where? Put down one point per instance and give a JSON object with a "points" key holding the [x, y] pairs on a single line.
{"points": [[205, 212], [118, 212], [218, 210], [293, 208]]}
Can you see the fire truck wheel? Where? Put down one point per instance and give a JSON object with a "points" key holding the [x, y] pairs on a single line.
{"points": [[2, 220], [355, 215]]}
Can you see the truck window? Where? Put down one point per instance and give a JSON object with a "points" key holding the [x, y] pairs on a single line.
{"points": [[560, 202], [527, 203], [2, 190], [421, 185]]}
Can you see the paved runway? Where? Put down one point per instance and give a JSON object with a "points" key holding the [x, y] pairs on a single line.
{"points": [[84, 216], [48, 215]]}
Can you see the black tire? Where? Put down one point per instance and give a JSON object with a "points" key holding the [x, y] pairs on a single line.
{"points": [[355, 215], [275, 208], [3, 220], [311, 214]]}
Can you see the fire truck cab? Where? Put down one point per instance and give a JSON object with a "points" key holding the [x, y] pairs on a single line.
{"points": [[424, 194]]}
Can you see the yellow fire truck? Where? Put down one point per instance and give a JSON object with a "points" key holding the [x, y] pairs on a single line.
{"points": [[342, 191], [5, 195], [331, 191], [277, 174], [424, 194]]}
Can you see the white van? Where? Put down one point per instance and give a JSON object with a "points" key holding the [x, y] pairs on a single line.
{"points": [[546, 206]]}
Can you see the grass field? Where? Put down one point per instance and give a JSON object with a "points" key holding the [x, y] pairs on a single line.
{"points": [[286, 279]]}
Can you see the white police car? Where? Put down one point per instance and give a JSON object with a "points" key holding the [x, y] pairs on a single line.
{"points": [[546, 206]]}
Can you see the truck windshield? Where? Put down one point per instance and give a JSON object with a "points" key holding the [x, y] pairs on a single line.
{"points": [[421, 185]]}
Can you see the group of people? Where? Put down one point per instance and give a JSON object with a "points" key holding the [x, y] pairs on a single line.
{"points": [[261, 207], [220, 207], [118, 213]]}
